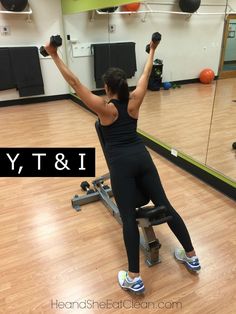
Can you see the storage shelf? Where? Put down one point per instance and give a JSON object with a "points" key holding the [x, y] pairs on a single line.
{"points": [[148, 9]]}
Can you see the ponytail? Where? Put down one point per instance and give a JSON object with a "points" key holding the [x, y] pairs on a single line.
{"points": [[123, 92], [115, 79]]}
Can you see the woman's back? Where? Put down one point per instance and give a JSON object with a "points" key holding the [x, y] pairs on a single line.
{"points": [[121, 137]]}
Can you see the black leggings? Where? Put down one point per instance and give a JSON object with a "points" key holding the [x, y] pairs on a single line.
{"points": [[126, 173]]}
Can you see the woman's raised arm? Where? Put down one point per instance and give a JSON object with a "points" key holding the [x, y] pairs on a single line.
{"points": [[92, 101]]}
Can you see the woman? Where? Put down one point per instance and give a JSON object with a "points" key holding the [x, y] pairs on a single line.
{"points": [[129, 161]]}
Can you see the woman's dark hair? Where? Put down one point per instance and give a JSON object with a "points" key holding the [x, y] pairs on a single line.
{"points": [[116, 81]]}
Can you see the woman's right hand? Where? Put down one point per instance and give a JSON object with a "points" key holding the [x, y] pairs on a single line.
{"points": [[51, 50]]}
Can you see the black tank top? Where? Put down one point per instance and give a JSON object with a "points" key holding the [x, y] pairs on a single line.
{"points": [[121, 137]]}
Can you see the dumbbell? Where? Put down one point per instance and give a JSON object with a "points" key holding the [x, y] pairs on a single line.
{"points": [[85, 186], [156, 37], [234, 145], [55, 41]]}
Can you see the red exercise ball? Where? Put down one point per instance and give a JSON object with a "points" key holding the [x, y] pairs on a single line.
{"points": [[131, 7], [207, 76]]}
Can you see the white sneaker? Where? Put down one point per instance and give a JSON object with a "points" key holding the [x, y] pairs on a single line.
{"points": [[136, 285], [192, 263]]}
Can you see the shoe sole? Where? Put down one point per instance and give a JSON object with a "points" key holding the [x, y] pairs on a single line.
{"points": [[133, 291]]}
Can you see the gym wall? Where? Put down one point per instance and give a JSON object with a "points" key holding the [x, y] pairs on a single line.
{"points": [[188, 44], [46, 20]]}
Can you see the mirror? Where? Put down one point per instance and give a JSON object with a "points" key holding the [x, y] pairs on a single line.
{"points": [[194, 118], [221, 156], [221, 153], [178, 117]]}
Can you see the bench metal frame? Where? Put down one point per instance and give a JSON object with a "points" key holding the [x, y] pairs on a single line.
{"points": [[148, 240]]}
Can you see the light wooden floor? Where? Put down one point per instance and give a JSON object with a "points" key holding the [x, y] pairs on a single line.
{"points": [[48, 251], [182, 117]]}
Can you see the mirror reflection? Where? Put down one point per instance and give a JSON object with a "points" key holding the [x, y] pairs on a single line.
{"points": [[229, 59]]}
